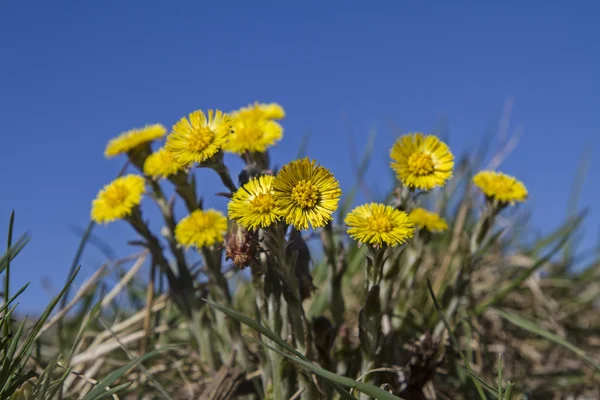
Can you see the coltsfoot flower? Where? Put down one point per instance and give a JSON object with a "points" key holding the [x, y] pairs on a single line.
{"points": [[201, 228], [379, 224], [262, 111], [253, 134], [128, 141], [501, 187], [253, 205], [421, 162], [428, 220], [118, 199], [198, 137], [161, 164], [306, 193]]}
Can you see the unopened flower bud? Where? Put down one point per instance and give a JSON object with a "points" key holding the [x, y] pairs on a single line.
{"points": [[241, 246]]}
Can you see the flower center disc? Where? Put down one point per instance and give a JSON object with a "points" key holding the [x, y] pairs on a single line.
{"points": [[379, 223], [305, 194], [116, 196], [200, 139], [420, 164], [262, 203]]}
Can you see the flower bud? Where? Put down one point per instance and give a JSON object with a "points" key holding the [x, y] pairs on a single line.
{"points": [[241, 246]]}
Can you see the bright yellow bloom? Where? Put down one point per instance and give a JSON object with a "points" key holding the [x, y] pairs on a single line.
{"points": [[421, 162], [117, 199], [200, 137], [201, 228], [262, 111], [306, 192], [253, 134], [378, 224], [161, 164], [428, 220], [501, 187], [253, 205], [131, 139]]}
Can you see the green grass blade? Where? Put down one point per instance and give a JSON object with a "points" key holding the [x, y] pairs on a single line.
{"points": [[109, 393], [534, 328], [11, 225], [13, 252], [7, 303]]}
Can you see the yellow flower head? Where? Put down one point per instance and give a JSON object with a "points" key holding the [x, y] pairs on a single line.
{"points": [[198, 137], [161, 164], [421, 162], [262, 111], [131, 139], [501, 187], [201, 228], [253, 134], [378, 225], [117, 199], [306, 192], [253, 205], [428, 220]]}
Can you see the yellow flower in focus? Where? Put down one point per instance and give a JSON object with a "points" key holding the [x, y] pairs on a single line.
{"points": [[421, 162], [161, 164], [262, 111], [253, 205], [428, 220], [253, 134], [131, 139], [118, 199], [201, 228], [501, 187], [378, 224], [306, 192], [198, 137]]}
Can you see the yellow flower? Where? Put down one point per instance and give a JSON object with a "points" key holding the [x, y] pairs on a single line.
{"points": [[421, 162], [201, 228], [501, 187], [200, 137], [378, 224], [253, 134], [253, 205], [131, 139], [161, 164], [117, 199], [428, 220], [262, 111], [306, 192]]}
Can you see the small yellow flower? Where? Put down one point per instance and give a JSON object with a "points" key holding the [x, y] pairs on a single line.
{"points": [[131, 139], [428, 220], [253, 205], [378, 224], [501, 187], [118, 199], [306, 192], [201, 228], [253, 134], [161, 164], [200, 137], [421, 162], [263, 111]]}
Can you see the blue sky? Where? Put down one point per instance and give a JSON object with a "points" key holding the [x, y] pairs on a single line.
{"points": [[74, 74]]}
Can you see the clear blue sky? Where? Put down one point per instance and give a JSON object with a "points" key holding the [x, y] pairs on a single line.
{"points": [[73, 74]]}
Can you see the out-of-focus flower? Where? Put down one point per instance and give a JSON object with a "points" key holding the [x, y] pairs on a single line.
{"points": [[306, 192], [262, 111], [421, 162], [128, 141], [253, 205], [118, 199], [161, 164], [198, 137], [251, 134], [201, 228], [428, 220], [501, 187], [379, 224]]}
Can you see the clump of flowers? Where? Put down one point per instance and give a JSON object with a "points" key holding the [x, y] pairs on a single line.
{"points": [[428, 220], [421, 162], [118, 199], [306, 193], [379, 224], [500, 187], [201, 228]]}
